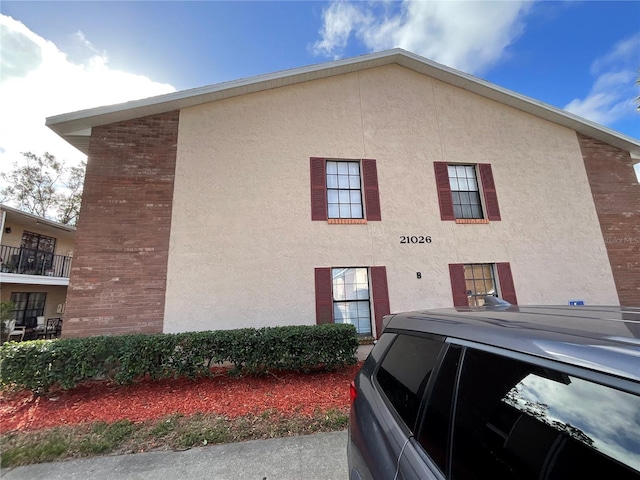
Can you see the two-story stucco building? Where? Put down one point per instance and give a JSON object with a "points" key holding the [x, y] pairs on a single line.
{"points": [[341, 192], [35, 263]]}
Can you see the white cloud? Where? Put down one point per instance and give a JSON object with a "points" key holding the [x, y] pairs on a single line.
{"points": [[612, 95], [470, 36], [38, 80]]}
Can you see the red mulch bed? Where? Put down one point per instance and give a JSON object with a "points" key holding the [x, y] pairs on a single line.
{"points": [[287, 392]]}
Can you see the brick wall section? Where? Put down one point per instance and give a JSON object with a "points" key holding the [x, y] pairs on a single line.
{"points": [[616, 194], [119, 270]]}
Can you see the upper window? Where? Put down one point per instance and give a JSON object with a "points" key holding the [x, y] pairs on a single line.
{"points": [[344, 195], [344, 191], [466, 193], [37, 242]]}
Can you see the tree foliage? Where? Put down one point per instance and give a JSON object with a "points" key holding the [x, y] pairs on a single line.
{"points": [[46, 187]]}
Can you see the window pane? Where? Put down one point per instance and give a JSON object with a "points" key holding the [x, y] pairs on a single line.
{"points": [[533, 422], [405, 371], [333, 211], [355, 197], [472, 184], [354, 168], [332, 168], [345, 211], [362, 293], [470, 171], [464, 198], [453, 183], [332, 181], [343, 181], [457, 211], [452, 171], [462, 184], [460, 171], [466, 211], [343, 196], [354, 181], [477, 270], [332, 196], [343, 168], [350, 291], [356, 211]]}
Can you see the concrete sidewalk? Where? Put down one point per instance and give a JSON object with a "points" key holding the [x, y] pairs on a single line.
{"points": [[321, 456]]}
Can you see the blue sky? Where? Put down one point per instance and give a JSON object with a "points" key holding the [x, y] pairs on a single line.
{"points": [[59, 57]]}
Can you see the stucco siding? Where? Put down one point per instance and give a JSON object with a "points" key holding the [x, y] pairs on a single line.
{"points": [[243, 247]]}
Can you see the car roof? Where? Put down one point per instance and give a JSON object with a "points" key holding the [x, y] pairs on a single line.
{"points": [[600, 338]]}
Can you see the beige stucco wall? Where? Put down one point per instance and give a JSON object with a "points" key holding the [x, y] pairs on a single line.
{"points": [[243, 247], [64, 239]]}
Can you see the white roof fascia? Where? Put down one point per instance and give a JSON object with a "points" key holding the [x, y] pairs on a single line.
{"points": [[75, 127], [14, 211]]}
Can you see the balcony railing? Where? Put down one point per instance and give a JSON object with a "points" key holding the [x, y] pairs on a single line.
{"points": [[27, 261]]}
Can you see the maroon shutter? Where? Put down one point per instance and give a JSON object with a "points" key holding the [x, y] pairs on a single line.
{"points": [[324, 297], [380, 292], [444, 191], [507, 288], [458, 285], [371, 193], [318, 189], [489, 189]]}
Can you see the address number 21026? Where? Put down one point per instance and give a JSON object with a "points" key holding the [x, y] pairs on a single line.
{"points": [[415, 239]]}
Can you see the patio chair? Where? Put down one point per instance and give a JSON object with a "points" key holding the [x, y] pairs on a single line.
{"points": [[41, 328], [15, 331], [53, 328], [58, 328]]}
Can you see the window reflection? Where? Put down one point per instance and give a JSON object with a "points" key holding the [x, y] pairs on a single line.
{"points": [[597, 416], [516, 420]]}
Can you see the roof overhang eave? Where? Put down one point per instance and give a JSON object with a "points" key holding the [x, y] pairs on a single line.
{"points": [[76, 127]]}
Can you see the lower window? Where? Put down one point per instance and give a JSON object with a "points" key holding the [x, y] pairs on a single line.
{"points": [[481, 281], [27, 307], [351, 300], [472, 282]]}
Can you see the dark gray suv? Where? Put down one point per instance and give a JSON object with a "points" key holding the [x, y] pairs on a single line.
{"points": [[500, 392]]}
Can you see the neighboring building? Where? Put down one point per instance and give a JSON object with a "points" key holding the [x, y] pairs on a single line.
{"points": [[35, 262], [341, 192]]}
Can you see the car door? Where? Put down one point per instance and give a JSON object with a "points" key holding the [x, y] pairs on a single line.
{"points": [[426, 454], [402, 379]]}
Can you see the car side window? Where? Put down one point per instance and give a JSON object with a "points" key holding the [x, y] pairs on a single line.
{"points": [[405, 371], [433, 433], [518, 420]]}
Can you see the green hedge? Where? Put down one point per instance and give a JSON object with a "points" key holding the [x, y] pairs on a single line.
{"points": [[42, 364]]}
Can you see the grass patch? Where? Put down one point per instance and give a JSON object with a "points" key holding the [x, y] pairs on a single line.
{"points": [[175, 432]]}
